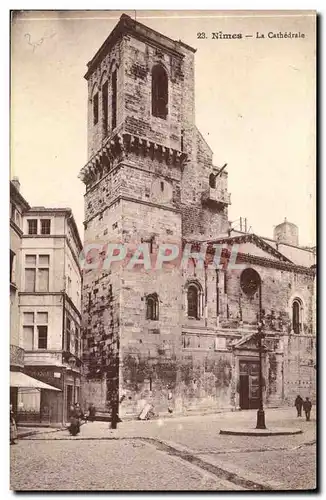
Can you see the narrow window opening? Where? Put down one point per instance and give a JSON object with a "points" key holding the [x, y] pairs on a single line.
{"points": [[152, 309], [42, 337], [296, 316], [114, 99], [12, 260], [105, 107], [68, 334], [95, 108], [77, 342], [159, 92], [212, 181], [193, 301]]}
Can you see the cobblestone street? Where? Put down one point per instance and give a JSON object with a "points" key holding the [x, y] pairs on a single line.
{"points": [[195, 456], [103, 465]]}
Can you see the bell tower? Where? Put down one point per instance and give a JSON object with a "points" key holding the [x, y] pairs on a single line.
{"points": [[140, 137]]}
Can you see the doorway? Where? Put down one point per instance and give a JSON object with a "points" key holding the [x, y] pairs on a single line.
{"points": [[249, 385]]}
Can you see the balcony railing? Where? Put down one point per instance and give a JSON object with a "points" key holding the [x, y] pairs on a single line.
{"points": [[216, 196], [16, 356]]}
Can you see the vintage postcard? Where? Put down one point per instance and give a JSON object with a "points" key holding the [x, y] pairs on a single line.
{"points": [[163, 251]]}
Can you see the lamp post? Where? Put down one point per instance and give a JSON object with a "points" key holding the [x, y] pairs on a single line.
{"points": [[259, 337], [260, 413]]}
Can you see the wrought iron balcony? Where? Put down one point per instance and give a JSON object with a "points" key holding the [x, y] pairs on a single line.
{"points": [[216, 197]]}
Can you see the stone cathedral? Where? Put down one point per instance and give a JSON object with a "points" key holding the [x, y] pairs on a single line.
{"points": [[180, 338]]}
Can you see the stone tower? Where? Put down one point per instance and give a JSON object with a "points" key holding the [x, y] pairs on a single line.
{"points": [[149, 180], [287, 233]]}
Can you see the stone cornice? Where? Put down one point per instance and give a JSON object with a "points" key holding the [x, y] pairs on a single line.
{"points": [[253, 238], [118, 146], [284, 264], [265, 262], [18, 198]]}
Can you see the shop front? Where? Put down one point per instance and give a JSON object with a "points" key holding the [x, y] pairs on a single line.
{"points": [[28, 387], [48, 406]]}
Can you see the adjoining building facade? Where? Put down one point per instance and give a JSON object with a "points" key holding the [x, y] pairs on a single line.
{"points": [[50, 303], [18, 206], [179, 338], [46, 314]]}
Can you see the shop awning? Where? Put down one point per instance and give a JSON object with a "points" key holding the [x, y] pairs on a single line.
{"points": [[19, 379]]}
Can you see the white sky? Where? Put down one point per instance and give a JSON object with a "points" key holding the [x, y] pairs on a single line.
{"points": [[255, 106]]}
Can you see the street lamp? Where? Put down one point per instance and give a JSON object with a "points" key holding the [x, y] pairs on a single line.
{"points": [[260, 413], [250, 283]]}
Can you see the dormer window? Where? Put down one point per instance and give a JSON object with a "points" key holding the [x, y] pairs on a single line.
{"points": [[159, 92]]}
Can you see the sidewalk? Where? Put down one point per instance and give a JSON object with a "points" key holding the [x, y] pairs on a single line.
{"points": [[23, 431], [201, 433]]}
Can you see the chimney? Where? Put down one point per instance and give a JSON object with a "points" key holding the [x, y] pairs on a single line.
{"points": [[16, 183]]}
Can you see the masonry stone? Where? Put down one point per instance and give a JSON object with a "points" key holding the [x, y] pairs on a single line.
{"points": [[150, 180]]}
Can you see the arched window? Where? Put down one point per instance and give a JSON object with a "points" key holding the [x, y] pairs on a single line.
{"points": [[152, 307], [160, 92], [212, 180], [297, 315], [194, 300]]}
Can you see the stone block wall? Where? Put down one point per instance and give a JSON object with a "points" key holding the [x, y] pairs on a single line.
{"points": [[200, 221], [144, 196], [279, 288], [112, 61], [139, 59]]}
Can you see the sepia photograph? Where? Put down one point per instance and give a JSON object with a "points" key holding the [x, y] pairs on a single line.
{"points": [[163, 251]]}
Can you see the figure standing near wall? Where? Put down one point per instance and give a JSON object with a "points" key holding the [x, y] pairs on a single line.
{"points": [[298, 404], [307, 408]]}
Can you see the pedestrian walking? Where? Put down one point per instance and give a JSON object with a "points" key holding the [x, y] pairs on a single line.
{"points": [[91, 412], [298, 404], [76, 415], [307, 408], [13, 427]]}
